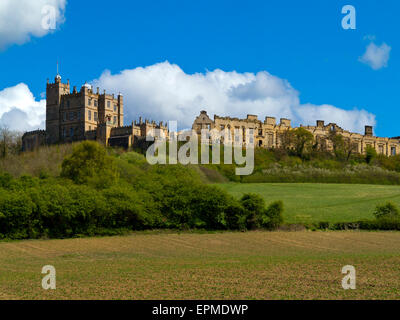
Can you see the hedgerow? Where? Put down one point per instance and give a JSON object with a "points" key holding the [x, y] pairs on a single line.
{"points": [[100, 193]]}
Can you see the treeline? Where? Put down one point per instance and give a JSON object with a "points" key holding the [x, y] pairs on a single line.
{"points": [[10, 142], [101, 194]]}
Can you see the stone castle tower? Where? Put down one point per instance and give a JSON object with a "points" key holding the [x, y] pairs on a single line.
{"points": [[54, 93], [85, 115]]}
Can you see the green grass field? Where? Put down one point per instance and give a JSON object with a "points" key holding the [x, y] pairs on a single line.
{"points": [[252, 265], [321, 202]]}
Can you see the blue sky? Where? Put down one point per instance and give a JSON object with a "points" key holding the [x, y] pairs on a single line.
{"points": [[302, 42]]}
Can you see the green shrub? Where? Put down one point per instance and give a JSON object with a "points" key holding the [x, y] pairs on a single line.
{"points": [[89, 163], [254, 207], [235, 216], [388, 210], [370, 154], [275, 215]]}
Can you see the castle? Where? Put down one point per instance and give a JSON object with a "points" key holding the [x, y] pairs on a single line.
{"points": [[270, 134], [89, 115], [86, 115]]}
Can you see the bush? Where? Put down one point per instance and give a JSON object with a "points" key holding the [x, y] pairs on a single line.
{"points": [[235, 216], [388, 210], [89, 163], [370, 154], [254, 207], [275, 215]]}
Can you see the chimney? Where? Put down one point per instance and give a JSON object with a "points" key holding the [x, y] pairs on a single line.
{"points": [[285, 122], [369, 131], [320, 123], [270, 121]]}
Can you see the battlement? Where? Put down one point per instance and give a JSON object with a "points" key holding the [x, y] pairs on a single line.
{"points": [[34, 133], [269, 134]]}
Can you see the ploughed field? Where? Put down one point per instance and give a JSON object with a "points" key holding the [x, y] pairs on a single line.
{"points": [[314, 202], [251, 265]]}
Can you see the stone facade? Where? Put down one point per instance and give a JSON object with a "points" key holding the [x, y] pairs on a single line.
{"points": [[86, 115], [269, 133]]}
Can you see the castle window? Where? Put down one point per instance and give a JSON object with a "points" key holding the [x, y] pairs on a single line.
{"points": [[79, 115], [115, 108], [108, 105], [64, 132], [71, 116], [71, 132], [67, 104], [90, 102], [393, 151], [95, 116], [260, 133], [115, 119], [90, 115], [65, 116], [95, 103]]}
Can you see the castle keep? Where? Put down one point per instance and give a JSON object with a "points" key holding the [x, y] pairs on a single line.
{"points": [[270, 134], [86, 115]]}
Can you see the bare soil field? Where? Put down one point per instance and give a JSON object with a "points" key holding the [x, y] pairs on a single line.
{"points": [[252, 265]]}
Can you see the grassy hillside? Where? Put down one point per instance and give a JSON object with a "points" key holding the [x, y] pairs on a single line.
{"points": [[315, 202], [252, 265]]}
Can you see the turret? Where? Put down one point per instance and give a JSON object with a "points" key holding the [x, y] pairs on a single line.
{"points": [[54, 91]]}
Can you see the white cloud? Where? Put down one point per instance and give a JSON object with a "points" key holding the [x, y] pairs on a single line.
{"points": [[376, 57], [164, 92], [19, 110], [22, 19]]}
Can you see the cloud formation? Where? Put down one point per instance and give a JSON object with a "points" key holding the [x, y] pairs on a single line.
{"points": [[22, 19], [165, 92], [377, 57], [20, 111]]}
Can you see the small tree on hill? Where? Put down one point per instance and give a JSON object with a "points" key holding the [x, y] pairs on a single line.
{"points": [[303, 140], [90, 162], [370, 154]]}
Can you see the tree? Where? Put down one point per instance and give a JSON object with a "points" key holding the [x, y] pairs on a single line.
{"points": [[10, 142], [343, 147], [303, 139], [370, 154], [90, 162]]}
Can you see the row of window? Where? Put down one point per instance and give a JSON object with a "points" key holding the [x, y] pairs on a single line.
{"points": [[71, 116], [70, 133], [95, 114], [94, 102], [108, 104]]}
